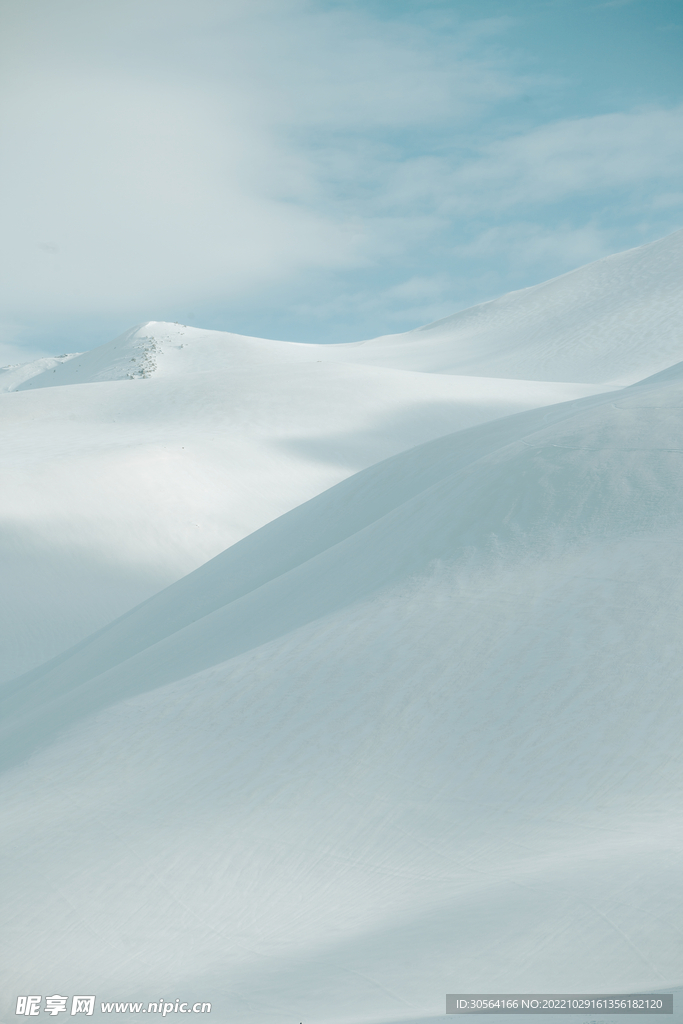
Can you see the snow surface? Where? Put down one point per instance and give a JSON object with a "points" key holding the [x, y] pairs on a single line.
{"points": [[13, 376], [418, 734], [115, 485], [616, 320]]}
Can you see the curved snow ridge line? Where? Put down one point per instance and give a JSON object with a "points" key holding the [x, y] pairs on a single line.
{"points": [[465, 492], [613, 322], [13, 377], [113, 490], [130, 356]]}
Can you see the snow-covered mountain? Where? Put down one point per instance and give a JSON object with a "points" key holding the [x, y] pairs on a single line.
{"points": [[128, 466], [419, 733]]}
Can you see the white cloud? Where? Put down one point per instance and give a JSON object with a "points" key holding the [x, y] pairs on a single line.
{"points": [[211, 147], [585, 155], [530, 245], [549, 164], [222, 149], [414, 301]]}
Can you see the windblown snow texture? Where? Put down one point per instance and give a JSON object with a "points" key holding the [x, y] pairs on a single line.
{"points": [[413, 733]]}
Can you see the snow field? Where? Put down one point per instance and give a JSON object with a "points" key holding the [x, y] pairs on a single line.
{"points": [[114, 488], [415, 733]]}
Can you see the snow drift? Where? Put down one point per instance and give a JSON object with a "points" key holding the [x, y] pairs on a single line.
{"points": [[419, 734], [126, 467]]}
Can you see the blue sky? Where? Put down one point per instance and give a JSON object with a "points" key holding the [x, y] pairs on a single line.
{"points": [[322, 170]]}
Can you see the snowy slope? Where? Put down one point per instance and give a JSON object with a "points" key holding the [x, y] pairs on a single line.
{"points": [[614, 321], [421, 734], [117, 485], [132, 464], [617, 320], [416, 730], [12, 377]]}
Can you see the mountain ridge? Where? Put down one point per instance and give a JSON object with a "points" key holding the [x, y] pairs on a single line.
{"points": [[414, 729]]}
